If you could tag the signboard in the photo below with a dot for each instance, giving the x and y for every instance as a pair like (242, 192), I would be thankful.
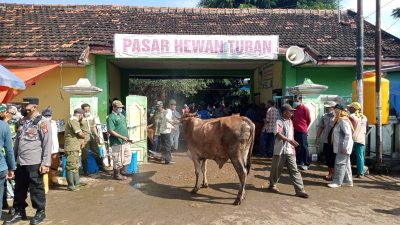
(196, 46)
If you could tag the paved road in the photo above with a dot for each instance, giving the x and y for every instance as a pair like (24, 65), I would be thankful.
(160, 194)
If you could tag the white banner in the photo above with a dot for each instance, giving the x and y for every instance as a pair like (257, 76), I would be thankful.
(196, 46)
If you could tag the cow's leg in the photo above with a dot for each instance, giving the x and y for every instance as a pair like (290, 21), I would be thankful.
(238, 164)
(204, 171)
(197, 171)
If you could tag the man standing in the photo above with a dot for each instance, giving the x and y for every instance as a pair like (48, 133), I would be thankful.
(267, 138)
(167, 125)
(156, 125)
(7, 163)
(88, 127)
(360, 131)
(301, 121)
(119, 141)
(74, 140)
(175, 132)
(284, 154)
(324, 133)
(32, 150)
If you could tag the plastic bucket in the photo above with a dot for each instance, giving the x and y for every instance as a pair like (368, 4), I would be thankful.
(64, 165)
(133, 167)
(92, 166)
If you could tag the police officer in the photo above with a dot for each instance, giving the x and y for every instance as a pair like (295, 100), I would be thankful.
(88, 126)
(33, 153)
(74, 139)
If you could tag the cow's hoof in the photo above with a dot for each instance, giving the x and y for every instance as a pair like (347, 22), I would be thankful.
(204, 186)
(195, 190)
(237, 202)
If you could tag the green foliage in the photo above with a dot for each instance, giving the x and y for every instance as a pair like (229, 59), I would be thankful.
(396, 13)
(165, 89)
(265, 4)
(205, 91)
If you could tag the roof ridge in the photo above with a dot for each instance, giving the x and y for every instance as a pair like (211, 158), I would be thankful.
(164, 9)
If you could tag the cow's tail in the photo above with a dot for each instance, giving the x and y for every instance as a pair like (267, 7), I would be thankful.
(251, 139)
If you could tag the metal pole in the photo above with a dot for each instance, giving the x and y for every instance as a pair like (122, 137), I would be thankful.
(378, 84)
(360, 52)
(338, 10)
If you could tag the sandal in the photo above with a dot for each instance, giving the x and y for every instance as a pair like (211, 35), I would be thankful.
(328, 178)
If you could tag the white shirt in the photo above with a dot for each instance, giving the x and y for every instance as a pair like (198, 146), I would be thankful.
(342, 137)
(166, 123)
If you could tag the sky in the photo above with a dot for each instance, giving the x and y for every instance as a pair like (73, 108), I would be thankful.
(388, 23)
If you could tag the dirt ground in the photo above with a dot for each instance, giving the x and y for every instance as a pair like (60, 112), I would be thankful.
(160, 194)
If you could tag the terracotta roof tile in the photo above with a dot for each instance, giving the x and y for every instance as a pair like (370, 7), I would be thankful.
(65, 31)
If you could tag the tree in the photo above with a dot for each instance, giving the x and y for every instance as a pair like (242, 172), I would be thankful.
(165, 89)
(396, 13)
(266, 4)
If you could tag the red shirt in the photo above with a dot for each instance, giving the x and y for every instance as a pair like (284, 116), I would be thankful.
(301, 119)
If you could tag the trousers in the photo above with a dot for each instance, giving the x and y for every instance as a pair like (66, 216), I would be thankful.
(29, 177)
(166, 147)
(342, 169)
(302, 149)
(278, 161)
(359, 152)
(72, 161)
(122, 155)
(3, 176)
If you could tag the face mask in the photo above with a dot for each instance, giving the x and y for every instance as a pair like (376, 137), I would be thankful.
(87, 114)
(24, 112)
(296, 104)
(119, 110)
(48, 117)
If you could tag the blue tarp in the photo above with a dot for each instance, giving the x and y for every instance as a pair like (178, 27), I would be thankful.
(394, 96)
(8, 79)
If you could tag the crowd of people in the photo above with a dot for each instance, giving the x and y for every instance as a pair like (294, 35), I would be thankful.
(342, 131)
(31, 149)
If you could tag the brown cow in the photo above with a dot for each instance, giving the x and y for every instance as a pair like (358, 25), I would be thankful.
(220, 139)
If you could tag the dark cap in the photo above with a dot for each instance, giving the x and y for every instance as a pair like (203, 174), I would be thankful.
(47, 112)
(79, 111)
(31, 100)
(339, 106)
(287, 107)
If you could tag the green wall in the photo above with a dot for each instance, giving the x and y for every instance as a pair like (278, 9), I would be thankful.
(338, 79)
(102, 82)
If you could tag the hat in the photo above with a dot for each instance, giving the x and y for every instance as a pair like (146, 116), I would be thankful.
(172, 102)
(159, 103)
(3, 108)
(339, 106)
(117, 103)
(79, 111)
(287, 107)
(329, 104)
(47, 112)
(31, 100)
(355, 105)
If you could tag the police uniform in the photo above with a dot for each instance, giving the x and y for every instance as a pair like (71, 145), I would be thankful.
(32, 150)
(87, 126)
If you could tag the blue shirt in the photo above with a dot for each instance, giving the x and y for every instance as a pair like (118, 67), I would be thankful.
(7, 161)
(204, 114)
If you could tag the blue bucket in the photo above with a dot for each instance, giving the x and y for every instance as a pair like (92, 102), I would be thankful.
(92, 166)
(133, 167)
(64, 165)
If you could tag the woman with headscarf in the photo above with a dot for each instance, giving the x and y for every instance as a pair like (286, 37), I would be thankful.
(360, 130)
(342, 146)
